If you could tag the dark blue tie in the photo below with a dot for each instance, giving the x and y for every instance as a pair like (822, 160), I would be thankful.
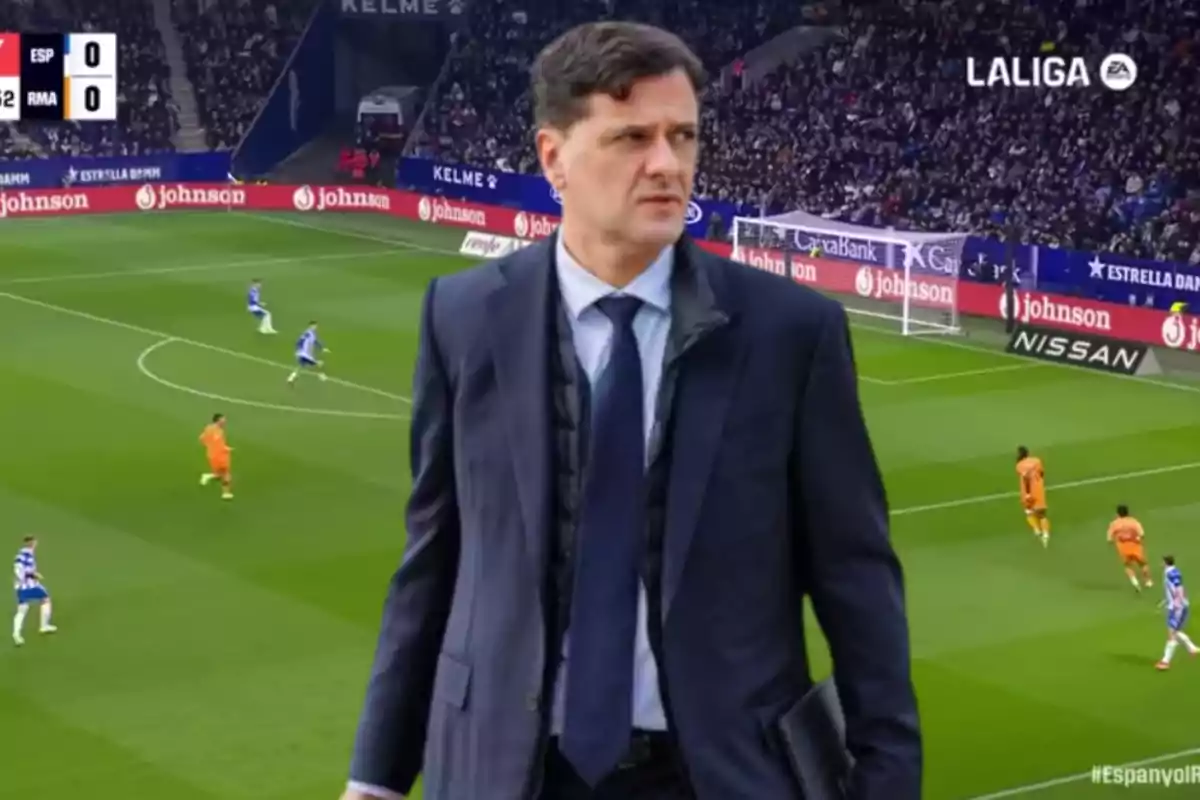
(598, 713)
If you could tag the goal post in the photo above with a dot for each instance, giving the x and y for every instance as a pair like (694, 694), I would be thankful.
(906, 278)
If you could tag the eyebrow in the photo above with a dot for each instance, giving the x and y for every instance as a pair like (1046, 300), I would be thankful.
(679, 127)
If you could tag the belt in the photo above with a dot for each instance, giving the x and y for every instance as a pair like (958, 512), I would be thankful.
(645, 747)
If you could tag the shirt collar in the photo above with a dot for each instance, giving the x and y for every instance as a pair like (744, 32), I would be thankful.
(581, 289)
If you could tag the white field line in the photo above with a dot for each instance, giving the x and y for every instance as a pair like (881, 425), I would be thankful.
(1080, 777)
(161, 381)
(350, 234)
(1057, 487)
(209, 267)
(202, 345)
(946, 376)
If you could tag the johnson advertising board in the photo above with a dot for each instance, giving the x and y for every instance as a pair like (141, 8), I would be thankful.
(1042, 309)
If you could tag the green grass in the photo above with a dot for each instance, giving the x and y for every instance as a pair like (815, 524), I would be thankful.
(218, 651)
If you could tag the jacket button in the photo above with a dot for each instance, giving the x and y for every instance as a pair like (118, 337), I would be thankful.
(532, 701)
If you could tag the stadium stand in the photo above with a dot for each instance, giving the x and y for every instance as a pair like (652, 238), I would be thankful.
(485, 87)
(880, 127)
(235, 51)
(148, 118)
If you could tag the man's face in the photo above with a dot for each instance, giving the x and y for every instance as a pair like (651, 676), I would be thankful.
(625, 171)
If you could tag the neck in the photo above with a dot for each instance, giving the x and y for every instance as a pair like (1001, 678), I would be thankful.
(615, 263)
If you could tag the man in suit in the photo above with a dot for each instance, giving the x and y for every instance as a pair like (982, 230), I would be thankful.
(631, 461)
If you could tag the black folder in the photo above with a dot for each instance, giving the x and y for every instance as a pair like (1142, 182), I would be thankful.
(814, 736)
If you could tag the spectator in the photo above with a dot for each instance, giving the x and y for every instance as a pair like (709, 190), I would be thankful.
(235, 51)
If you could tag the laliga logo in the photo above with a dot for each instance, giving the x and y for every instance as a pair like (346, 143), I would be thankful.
(694, 213)
(303, 198)
(145, 198)
(864, 281)
(425, 209)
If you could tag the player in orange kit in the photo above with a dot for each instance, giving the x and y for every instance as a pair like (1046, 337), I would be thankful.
(1127, 534)
(1033, 493)
(213, 439)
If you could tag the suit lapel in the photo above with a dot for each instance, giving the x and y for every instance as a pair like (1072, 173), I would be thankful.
(520, 341)
(704, 362)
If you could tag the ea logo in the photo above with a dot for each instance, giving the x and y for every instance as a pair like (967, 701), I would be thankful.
(425, 209)
(302, 198)
(1174, 331)
(521, 225)
(145, 197)
(1118, 71)
(694, 213)
(864, 282)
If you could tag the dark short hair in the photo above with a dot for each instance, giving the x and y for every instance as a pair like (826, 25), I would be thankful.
(604, 58)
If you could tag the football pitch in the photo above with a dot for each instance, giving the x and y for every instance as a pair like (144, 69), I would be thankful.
(213, 650)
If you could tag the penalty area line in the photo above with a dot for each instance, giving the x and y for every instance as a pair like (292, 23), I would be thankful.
(144, 356)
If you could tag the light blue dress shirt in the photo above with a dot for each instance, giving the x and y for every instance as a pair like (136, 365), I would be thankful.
(592, 335)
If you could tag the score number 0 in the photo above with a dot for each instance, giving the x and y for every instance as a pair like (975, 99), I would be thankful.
(93, 72)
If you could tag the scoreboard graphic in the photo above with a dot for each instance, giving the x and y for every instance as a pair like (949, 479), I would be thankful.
(50, 77)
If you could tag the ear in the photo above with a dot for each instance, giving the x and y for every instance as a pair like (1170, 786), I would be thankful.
(549, 144)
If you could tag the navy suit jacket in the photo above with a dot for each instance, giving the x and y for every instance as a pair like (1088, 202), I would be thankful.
(773, 494)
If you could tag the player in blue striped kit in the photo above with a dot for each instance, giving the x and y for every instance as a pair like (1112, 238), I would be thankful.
(1178, 610)
(29, 590)
(259, 311)
(308, 348)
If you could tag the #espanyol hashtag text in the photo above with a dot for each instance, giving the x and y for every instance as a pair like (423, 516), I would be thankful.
(1129, 776)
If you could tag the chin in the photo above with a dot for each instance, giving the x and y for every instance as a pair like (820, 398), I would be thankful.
(658, 233)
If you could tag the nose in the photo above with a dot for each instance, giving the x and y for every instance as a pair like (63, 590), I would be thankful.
(661, 158)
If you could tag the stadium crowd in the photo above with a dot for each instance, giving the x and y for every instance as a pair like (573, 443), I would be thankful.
(880, 127)
(235, 51)
(876, 126)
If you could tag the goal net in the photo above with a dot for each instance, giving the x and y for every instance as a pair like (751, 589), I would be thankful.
(902, 278)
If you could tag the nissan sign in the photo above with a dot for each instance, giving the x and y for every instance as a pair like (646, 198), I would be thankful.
(1083, 350)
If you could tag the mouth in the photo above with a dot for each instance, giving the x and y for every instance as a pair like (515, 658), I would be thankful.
(662, 201)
